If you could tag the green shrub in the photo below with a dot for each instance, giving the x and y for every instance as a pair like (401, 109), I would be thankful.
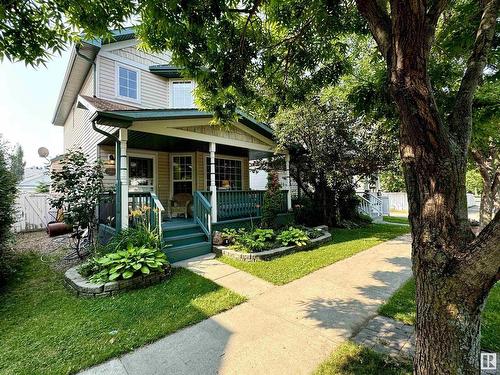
(136, 237)
(7, 196)
(255, 241)
(271, 205)
(293, 236)
(125, 264)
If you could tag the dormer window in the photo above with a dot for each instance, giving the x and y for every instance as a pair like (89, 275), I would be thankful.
(127, 83)
(182, 94)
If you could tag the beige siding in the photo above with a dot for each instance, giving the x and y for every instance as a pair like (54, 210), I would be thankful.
(245, 170)
(234, 133)
(142, 57)
(161, 169)
(78, 132)
(163, 179)
(154, 90)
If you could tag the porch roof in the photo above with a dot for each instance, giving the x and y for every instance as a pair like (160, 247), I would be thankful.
(125, 118)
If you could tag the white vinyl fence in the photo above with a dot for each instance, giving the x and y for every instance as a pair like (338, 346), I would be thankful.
(32, 212)
(399, 201)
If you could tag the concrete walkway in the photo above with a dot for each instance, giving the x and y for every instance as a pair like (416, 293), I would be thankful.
(287, 329)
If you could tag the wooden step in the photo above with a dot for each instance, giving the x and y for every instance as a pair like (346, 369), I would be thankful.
(178, 253)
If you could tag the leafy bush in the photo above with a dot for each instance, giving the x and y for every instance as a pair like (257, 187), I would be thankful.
(271, 205)
(125, 264)
(135, 236)
(293, 236)
(7, 196)
(255, 241)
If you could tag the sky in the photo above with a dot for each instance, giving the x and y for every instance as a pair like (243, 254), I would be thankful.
(27, 102)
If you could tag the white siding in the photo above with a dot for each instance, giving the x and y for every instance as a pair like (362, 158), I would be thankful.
(154, 89)
(78, 132)
(141, 57)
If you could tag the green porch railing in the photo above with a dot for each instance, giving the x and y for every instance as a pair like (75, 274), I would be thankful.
(149, 204)
(235, 204)
(202, 212)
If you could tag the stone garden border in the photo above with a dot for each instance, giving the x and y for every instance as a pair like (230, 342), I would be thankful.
(272, 253)
(82, 287)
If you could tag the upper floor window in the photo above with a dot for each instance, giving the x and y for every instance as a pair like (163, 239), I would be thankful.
(182, 94)
(127, 83)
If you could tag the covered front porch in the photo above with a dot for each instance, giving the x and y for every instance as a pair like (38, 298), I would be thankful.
(194, 176)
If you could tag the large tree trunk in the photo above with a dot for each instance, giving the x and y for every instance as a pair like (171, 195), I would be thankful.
(453, 270)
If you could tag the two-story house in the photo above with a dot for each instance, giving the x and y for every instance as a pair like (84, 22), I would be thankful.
(135, 111)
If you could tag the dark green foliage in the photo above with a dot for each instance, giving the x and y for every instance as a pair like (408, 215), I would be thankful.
(7, 197)
(329, 146)
(125, 264)
(31, 31)
(78, 187)
(271, 206)
(17, 163)
(392, 181)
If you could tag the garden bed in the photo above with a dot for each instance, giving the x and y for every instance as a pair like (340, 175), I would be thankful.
(276, 252)
(82, 287)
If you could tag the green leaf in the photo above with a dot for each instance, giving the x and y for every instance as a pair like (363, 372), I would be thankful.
(127, 274)
(145, 270)
(137, 266)
(114, 276)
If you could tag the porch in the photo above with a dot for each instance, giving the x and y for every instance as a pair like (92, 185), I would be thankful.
(181, 167)
(190, 236)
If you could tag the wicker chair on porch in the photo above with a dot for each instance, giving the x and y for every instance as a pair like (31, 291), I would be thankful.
(179, 204)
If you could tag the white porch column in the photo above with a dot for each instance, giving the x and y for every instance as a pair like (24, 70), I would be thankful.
(288, 184)
(123, 136)
(213, 187)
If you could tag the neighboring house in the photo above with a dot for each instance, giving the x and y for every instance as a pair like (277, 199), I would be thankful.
(134, 111)
(33, 177)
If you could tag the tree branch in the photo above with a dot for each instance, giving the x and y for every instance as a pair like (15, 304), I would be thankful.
(481, 265)
(379, 23)
(462, 111)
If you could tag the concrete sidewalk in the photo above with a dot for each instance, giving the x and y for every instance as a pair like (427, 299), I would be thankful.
(287, 329)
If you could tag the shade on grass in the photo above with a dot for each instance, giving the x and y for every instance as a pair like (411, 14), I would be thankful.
(401, 306)
(396, 219)
(46, 330)
(352, 359)
(345, 243)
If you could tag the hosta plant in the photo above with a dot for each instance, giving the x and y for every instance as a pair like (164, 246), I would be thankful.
(125, 264)
(293, 236)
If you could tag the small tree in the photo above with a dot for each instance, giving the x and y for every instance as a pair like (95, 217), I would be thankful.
(17, 163)
(7, 197)
(77, 187)
(272, 201)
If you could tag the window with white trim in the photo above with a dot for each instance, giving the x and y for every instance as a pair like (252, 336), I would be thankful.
(141, 175)
(127, 83)
(228, 174)
(182, 94)
(182, 174)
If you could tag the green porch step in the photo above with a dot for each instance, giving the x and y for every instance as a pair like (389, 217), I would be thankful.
(186, 239)
(178, 253)
(180, 230)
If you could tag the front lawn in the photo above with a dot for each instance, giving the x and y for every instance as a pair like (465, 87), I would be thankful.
(396, 219)
(345, 243)
(353, 359)
(401, 306)
(46, 330)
